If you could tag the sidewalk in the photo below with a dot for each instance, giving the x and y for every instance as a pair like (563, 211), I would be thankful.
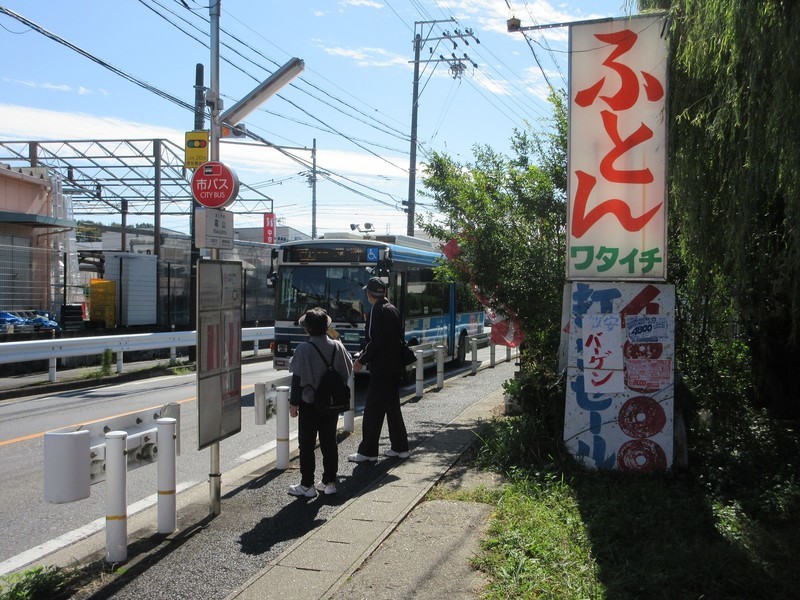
(322, 561)
(374, 539)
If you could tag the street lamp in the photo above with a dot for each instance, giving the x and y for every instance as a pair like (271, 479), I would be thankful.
(263, 92)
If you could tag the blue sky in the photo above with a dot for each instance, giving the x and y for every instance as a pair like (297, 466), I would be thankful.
(353, 98)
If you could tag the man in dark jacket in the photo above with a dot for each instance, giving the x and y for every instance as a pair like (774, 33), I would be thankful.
(382, 353)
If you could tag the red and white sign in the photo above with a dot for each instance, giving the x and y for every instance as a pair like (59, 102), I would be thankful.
(269, 228)
(214, 185)
(617, 151)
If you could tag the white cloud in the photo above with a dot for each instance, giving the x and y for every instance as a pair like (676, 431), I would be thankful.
(58, 87)
(369, 57)
(367, 3)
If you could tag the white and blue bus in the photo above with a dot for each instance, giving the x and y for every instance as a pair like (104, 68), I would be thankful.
(331, 272)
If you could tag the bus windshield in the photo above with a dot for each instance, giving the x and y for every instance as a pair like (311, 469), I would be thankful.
(336, 289)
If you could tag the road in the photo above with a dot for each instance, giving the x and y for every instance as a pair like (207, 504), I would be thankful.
(30, 527)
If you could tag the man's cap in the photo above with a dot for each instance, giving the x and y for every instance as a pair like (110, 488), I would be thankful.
(316, 321)
(376, 286)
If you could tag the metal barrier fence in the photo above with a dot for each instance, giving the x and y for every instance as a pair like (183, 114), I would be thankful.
(51, 350)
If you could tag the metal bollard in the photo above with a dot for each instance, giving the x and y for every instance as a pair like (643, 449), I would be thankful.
(508, 353)
(491, 354)
(420, 372)
(116, 497)
(473, 342)
(282, 425)
(167, 477)
(439, 367)
(260, 403)
(350, 415)
(255, 344)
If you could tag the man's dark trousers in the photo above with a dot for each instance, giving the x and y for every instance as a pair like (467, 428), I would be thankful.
(383, 398)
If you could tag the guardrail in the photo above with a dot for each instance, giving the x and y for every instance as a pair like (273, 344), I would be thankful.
(51, 350)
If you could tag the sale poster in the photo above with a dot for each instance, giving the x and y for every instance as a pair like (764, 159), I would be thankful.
(620, 374)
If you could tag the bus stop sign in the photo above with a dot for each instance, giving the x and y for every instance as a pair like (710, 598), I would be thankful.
(214, 185)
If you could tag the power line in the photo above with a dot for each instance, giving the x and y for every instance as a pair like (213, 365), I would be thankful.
(141, 83)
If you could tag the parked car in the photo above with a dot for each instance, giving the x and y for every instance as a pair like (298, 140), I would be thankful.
(26, 321)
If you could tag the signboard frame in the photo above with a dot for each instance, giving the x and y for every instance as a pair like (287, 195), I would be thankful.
(219, 355)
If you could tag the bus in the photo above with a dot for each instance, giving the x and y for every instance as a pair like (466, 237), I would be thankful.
(330, 273)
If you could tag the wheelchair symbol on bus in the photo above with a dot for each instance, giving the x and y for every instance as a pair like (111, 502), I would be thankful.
(373, 254)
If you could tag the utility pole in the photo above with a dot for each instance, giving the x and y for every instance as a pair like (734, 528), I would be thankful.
(312, 181)
(457, 69)
(199, 125)
(412, 166)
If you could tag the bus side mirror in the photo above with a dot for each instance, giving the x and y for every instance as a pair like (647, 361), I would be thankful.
(272, 277)
(383, 267)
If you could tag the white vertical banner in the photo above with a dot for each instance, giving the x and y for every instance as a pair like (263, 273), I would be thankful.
(617, 211)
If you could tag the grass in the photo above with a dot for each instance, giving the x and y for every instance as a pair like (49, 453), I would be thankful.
(38, 583)
(721, 530)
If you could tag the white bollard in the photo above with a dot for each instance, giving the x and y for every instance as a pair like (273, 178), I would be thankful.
(167, 477)
(260, 402)
(420, 372)
(282, 425)
(67, 472)
(350, 415)
(474, 345)
(119, 362)
(116, 497)
(51, 373)
(439, 367)
(491, 355)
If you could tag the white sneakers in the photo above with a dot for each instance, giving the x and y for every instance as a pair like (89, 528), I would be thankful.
(330, 488)
(301, 490)
(311, 491)
(359, 458)
(392, 453)
(326, 488)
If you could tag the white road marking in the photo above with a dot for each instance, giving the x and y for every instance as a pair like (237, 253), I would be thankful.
(38, 552)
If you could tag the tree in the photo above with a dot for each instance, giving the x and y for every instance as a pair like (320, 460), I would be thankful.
(508, 216)
(735, 193)
(88, 231)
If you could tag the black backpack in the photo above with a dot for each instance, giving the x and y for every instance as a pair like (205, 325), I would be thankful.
(332, 394)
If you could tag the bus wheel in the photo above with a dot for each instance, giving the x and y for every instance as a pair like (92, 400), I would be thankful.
(461, 356)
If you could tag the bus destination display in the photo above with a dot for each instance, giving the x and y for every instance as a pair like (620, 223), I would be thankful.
(331, 254)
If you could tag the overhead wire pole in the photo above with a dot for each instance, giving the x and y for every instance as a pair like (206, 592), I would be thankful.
(313, 182)
(457, 68)
(412, 166)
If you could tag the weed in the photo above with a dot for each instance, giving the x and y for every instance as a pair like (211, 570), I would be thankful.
(38, 583)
